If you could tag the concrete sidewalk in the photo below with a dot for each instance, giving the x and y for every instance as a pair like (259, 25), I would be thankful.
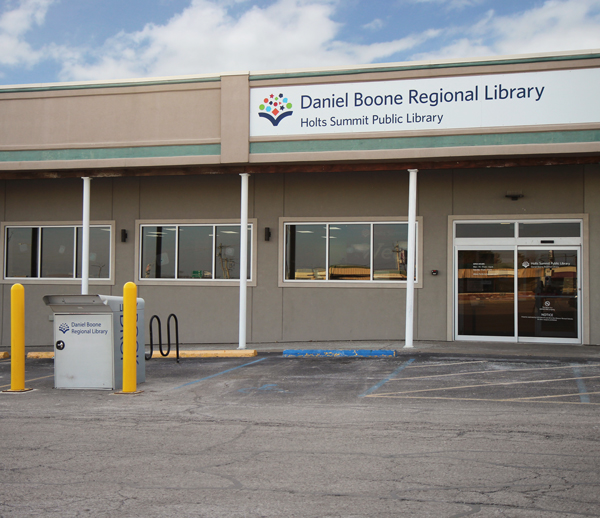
(429, 348)
(432, 348)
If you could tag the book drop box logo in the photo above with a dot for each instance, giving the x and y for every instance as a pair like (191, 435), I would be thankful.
(275, 108)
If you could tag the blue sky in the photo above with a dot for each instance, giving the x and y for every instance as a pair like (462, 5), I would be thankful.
(44, 41)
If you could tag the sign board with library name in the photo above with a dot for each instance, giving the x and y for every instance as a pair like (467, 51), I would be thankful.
(442, 103)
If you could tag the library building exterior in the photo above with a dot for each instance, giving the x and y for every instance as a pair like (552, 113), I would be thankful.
(505, 154)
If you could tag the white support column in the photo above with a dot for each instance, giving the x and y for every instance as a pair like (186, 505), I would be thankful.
(243, 261)
(85, 237)
(410, 266)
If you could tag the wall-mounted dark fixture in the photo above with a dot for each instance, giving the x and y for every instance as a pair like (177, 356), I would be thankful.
(267, 234)
(123, 235)
(513, 195)
(434, 272)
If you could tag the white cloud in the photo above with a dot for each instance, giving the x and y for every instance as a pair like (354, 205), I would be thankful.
(205, 37)
(556, 25)
(452, 4)
(15, 21)
(375, 25)
(212, 36)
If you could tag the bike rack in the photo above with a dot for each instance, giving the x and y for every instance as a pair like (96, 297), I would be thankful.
(160, 343)
(154, 317)
(172, 315)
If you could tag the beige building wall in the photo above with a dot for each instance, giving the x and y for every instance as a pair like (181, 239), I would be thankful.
(172, 150)
(591, 197)
(208, 314)
(111, 117)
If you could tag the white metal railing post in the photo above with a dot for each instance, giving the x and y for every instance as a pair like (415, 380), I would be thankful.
(410, 267)
(85, 237)
(243, 261)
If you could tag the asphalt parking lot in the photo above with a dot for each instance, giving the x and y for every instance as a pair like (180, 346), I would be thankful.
(274, 436)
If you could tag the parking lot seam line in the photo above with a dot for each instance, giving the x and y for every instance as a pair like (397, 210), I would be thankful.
(28, 381)
(384, 381)
(217, 353)
(218, 374)
(491, 371)
(439, 364)
(486, 385)
(554, 395)
(583, 393)
(336, 353)
(482, 399)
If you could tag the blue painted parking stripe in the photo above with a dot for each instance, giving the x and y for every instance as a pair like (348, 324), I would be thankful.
(583, 393)
(218, 374)
(383, 382)
(335, 353)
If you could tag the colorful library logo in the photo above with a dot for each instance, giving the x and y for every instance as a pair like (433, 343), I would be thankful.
(275, 108)
(63, 328)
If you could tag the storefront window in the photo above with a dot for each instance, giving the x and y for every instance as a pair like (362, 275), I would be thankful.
(57, 252)
(550, 229)
(306, 252)
(21, 252)
(357, 251)
(389, 252)
(54, 252)
(485, 229)
(99, 252)
(158, 252)
(350, 252)
(203, 252)
(195, 252)
(227, 256)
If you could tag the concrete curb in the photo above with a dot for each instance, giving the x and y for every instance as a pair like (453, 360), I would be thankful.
(335, 353)
(244, 353)
(40, 356)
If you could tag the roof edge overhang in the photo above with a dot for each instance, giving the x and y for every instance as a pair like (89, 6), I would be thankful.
(370, 166)
(313, 72)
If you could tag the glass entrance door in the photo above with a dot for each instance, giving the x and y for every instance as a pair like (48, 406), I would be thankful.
(485, 293)
(517, 293)
(548, 302)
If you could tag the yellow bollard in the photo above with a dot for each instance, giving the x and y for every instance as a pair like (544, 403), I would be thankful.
(129, 338)
(17, 339)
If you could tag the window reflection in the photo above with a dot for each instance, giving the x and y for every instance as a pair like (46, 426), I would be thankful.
(488, 229)
(57, 252)
(205, 251)
(346, 251)
(195, 252)
(21, 252)
(227, 253)
(548, 293)
(99, 267)
(486, 292)
(350, 252)
(549, 229)
(158, 252)
(306, 252)
(389, 252)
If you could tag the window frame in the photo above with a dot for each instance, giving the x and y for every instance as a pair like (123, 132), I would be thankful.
(139, 224)
(584, 241)
(40, 225)
(392, 284)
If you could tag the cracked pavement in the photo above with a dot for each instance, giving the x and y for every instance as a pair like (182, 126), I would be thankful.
(292, 437)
